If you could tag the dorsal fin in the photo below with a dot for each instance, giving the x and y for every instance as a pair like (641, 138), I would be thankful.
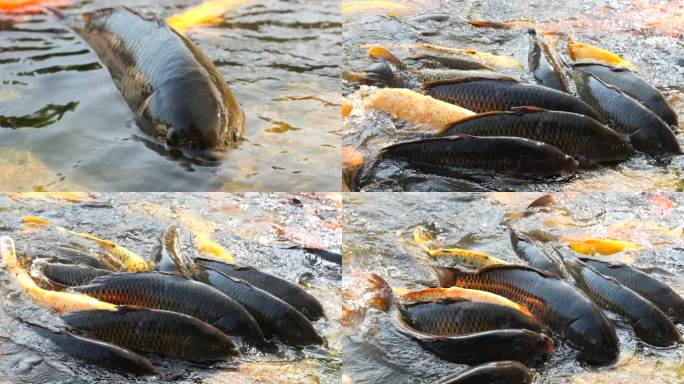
(431, 84)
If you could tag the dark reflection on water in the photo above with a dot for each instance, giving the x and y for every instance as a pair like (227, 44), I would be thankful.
(627, 27)
(258, 230)
(40, 118)
(277, 56)
(377, 230)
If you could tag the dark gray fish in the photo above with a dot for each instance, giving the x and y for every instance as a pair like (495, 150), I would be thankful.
(512, 156)
(176, 93)
(275, 317)
(436, 61)
(98, 352)
(534, 256)
(647, 132)
(544, 65)
(71, 275)
(165, 333)
(175, 293)
(525, 346)
(290, 293)
(553, 302)
(653, 290)
(460, 317)
(633, 85)
(650, 323)
(171, 257)
(498, 372)
(486, 95)
(581, 137)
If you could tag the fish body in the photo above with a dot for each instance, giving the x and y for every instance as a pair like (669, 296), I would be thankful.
(581, 137)
(650, 324)
(544, 65)
(286, 291)
(485, 95)
(415, 107)
(58, 301)
(635, 86)
(165, 333)
(437, 294)
(98, 352)
(601, 246)
(276, 317)
(653, 290)
(585, 53)
(647, 132)
(171, 258)
(177, 95)
(505, 155)
(450, 62)
(498, 372)
(534, 256)
(459, 317)
(70, 275)
(525, 346)
(552, 301)
(465, 257)
(174, 293)
(433, 75)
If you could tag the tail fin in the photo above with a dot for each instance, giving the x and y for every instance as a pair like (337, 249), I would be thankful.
(383, 298)
(447, 276)
(380, 54)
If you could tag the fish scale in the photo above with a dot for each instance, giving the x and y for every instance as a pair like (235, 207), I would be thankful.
(650, 323)
(174, 293)
(555, 303)
(275, 316)
(453, 318)
(655, 291)
(647, 132)
(582, 137)
(484, 95)
(508, 155)
(162, 332)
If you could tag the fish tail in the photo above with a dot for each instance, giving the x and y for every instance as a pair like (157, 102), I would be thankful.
(380, 54)
(383, 297)
(382, 74)
(447, 276)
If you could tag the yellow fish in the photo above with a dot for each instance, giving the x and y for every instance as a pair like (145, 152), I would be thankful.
(416, 108)
(580, 52)
(468, 258)
(375, 6)
(486, 58)
(58, 301)
(436, 294)
(601, 246)
(206, 13)
(128, 258)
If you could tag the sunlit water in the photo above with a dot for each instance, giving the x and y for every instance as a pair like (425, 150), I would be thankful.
(377, 229)
(65, 124)
(257, 229)
(647, 32)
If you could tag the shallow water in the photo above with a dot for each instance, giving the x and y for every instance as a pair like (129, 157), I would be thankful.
(59, 107)
(256, 229)
(646, 32)
(377, 230)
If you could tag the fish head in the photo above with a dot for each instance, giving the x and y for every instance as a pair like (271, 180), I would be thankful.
(595, 339)
(658, 330)
(298, 331)
(657, 140)
(612, 147)
(209, 344)
(195, 118)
